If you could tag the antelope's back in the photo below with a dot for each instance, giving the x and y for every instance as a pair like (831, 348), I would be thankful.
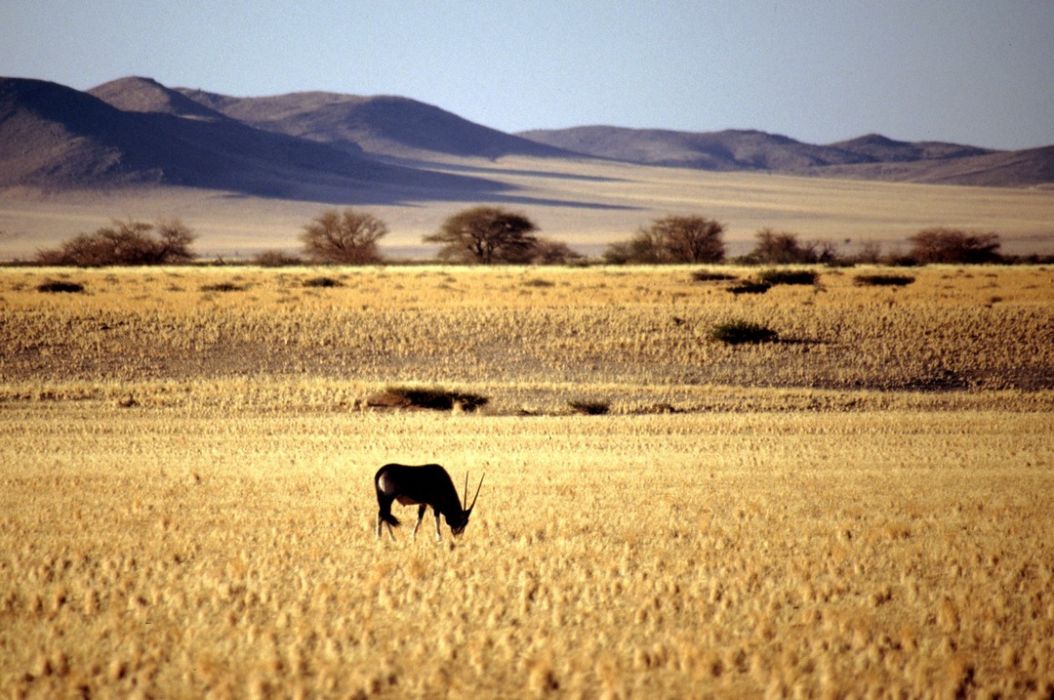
(422, 483)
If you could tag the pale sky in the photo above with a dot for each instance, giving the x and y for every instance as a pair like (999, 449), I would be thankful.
(968, 71)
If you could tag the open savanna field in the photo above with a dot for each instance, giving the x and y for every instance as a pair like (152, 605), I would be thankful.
(859, 506)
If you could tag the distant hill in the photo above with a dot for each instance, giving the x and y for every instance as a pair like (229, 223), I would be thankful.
(136, 94)
(381, 125)
(55, 137)
(718, 150)
(1026, 168)
(870, 157)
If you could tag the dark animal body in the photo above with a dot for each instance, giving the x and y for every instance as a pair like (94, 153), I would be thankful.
(425, 486)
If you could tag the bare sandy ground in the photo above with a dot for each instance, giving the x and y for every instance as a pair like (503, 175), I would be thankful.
(585, 203)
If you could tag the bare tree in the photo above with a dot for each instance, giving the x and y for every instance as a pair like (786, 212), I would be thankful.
(672, 239)
(348, 237)
(486, 235)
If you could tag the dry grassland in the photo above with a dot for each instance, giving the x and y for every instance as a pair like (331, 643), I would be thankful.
(186, 505)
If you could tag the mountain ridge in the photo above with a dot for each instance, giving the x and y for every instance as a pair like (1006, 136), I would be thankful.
(341, 147)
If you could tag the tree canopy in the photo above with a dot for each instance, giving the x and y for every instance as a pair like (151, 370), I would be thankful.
(348, 237)
(486, 235)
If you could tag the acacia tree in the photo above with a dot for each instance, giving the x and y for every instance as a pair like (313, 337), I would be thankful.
(942, 245)
(672, 239)
(486, 235)
(125, 243)
(348, 237)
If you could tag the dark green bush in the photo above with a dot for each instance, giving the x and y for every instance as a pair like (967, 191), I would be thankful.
(222, 287)
(749, 287)
(777, 276)
(882, 280)
(708, 276)
(53, 286)
(323, 282)
(589, 408)
(742, 332)
(433, 398)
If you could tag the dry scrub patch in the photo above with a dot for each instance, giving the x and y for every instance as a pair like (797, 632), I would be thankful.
(954, 328)
(172, 553)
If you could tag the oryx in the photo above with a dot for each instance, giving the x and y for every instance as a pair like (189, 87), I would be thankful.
(423, 486)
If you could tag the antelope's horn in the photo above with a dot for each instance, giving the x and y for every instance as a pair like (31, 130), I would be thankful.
(477, 492)
(464, 499)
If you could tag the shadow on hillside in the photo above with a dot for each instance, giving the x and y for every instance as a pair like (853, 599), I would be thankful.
(439, 166)
(411, 188)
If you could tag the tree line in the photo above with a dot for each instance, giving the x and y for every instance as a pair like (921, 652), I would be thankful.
(493, 235)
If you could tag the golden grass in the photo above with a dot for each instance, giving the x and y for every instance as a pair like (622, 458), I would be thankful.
(187, 509)
(174, 552)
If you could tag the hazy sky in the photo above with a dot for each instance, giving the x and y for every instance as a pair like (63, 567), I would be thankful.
(970, 71)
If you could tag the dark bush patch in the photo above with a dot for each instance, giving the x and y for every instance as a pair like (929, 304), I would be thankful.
(538, 283)
(590, 408)
(276, 258)
(222, 287)
(741, 332)
(775, 276)
(435, 398)
(322, 282)
(708, 276)
(882, 280)
(749, 287)
(53, 286)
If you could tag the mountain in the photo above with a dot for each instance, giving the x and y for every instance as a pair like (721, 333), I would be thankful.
(720, 150)
(136, 94)
(1025, 168)
(56, 137)
(872, 156)
(881, 149)
(381, 125)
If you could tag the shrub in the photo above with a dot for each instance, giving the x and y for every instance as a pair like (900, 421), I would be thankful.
(323, 282)
(943, 245)
(53, 286)
(549, 252)
(772, 277)
(882, 280)
(749, 287)
(349, 237)
(434, 398)
(781, 247)
(276, 258)
(708, 276)
(741, 332)
(589, 408)
(222, 287)
(125, 243)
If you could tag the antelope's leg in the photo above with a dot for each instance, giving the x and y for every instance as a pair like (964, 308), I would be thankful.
(439, 536)
(391, 531)
(420, 516)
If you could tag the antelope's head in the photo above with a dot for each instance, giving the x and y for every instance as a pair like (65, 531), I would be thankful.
(457, 524)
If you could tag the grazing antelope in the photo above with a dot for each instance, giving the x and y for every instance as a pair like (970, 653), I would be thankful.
(423, 486)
